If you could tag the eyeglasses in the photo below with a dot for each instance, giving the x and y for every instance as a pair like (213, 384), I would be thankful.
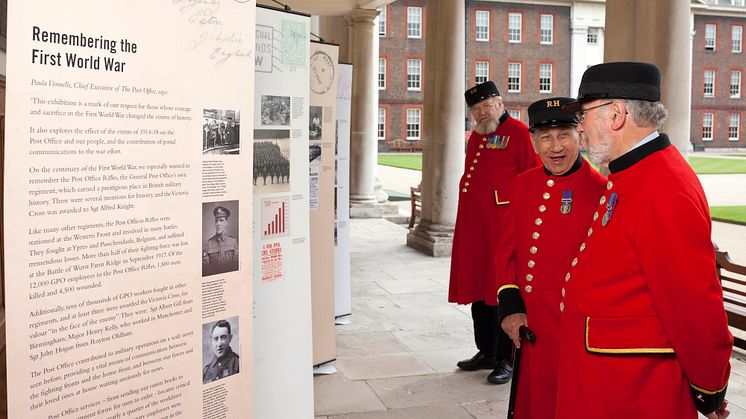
(581, 113)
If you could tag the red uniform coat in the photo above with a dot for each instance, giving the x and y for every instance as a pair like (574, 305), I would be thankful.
(539, 247)
(643, 327)
(488, 178)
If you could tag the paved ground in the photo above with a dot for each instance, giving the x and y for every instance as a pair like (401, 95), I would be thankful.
(396, 360)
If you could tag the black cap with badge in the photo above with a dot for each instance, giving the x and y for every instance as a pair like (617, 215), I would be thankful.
(480, 92)
(548, 113)
(618, 80)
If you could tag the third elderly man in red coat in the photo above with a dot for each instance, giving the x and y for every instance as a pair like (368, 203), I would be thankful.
(548, 217)
(643, 331)
(498, 149)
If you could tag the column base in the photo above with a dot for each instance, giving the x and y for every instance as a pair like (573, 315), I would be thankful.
(372, 210)
(436, 242)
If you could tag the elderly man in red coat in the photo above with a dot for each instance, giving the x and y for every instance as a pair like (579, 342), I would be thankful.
(498, 149)
(643, 331)
(548, 217)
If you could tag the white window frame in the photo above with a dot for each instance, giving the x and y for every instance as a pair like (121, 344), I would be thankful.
(708, 120)
(734, 129)
(736, 39)
(546, 31)
(481, 71)
(514, 113)
(382, 22)
(381, 73)
(414, 22)
(737, 2)
(592, 36)
(381, 124)
(735, 84)
(414, 124)
(515, 27)
(414, 74)
(711, 32)
(514, 79)
(544, 79)
(708, 88)
(482, 25)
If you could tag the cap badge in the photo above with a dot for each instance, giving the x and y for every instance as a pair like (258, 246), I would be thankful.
(553, 103)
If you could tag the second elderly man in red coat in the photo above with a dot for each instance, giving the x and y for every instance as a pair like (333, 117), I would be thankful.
(498, 149)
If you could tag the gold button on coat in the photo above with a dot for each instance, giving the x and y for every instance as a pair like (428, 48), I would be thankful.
(531, 263)
(567, 277)
(550, 183)
(546, 195)
(464, 190)
(574, 261)
(603, 200)
(529, 277)
(562, 306)
(535, 235)
(528, 288)
(538, 221)
(533, 250)
(542, 208)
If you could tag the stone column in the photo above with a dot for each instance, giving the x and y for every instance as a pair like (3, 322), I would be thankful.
(443, 150)
(363, 142)
(578, 40)
(658, 32)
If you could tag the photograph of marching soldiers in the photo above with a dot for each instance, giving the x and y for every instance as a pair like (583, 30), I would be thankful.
(314, 153)
(314, 123)
(220, 129)
(271, 161)
(275, 110)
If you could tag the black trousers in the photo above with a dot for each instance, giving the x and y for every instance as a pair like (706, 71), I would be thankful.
(488, 335)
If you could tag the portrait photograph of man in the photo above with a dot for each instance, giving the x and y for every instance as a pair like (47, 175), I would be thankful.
(220, 349)
(219, 237)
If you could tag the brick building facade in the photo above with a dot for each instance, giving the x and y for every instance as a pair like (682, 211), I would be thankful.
(526, 50)
(718, 116)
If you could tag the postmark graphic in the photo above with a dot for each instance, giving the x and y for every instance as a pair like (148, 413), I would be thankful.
(322, 72)
(294, 43)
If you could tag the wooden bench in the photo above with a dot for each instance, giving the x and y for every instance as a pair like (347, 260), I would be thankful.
(733, 280)
(415, 198)
(404, 145)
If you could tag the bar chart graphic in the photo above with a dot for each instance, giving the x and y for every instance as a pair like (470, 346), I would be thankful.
(275, 217)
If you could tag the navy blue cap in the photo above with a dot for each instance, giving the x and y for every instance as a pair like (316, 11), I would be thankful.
(547, 113)
(480, 92)
(618, 80)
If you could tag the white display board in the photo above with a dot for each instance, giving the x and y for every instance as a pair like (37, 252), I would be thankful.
(126, 233)
(282, 280)
(342, 284)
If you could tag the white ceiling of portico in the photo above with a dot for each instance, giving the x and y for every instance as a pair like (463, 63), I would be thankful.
(327, 7)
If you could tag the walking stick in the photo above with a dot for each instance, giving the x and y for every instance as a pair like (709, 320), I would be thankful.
(525, 333)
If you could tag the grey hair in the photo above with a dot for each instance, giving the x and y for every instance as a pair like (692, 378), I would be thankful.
(646, 113)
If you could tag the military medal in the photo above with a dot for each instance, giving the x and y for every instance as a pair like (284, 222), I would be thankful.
(566, 201)
(497, 141)
(609, 209)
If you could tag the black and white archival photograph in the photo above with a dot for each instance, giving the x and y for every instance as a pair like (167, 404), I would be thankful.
(220, 131)
(219, 237)
(220, 349)
(275, 110)
(314, 153)
(315, 115)
(271, 161)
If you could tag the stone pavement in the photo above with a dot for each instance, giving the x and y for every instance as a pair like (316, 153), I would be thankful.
(397, 359)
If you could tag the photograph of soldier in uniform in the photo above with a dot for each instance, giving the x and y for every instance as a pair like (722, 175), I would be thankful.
(219, 237)
(314, 122)
(220, 347)
(314, 153)
(220, 131)
(275, 110)
(271, 161)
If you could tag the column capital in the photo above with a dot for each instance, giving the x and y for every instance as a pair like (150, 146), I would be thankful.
(578, 29)
(362, 16)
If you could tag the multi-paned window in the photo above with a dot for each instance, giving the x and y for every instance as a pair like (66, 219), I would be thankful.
(414, 74)
(481, 71)
(381, 123)
(592, 37)
(413, 124)
(545, 78)
(736, 39)
(514, 77)
(382, 21)
(707, 119)
(737, 2)
(710, 35)
(734, 123)
(515, 113)
(482, 25)
(709, 83)
(414, 22)
(547, 29)
(515, 24)
(735, 84)
(381, 74)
